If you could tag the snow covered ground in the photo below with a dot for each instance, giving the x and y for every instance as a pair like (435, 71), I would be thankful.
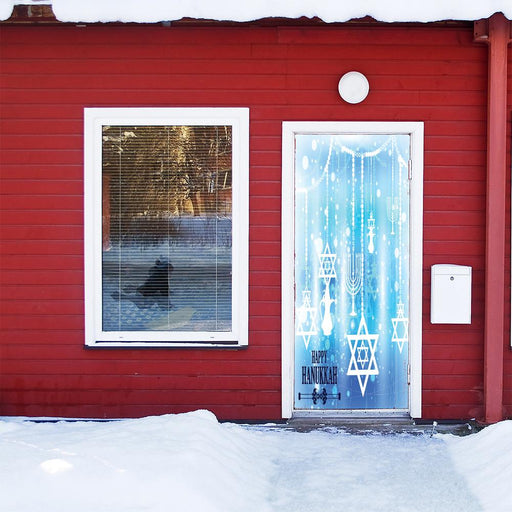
(190, 462)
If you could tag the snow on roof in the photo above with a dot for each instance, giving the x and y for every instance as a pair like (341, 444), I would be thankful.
(151, 11)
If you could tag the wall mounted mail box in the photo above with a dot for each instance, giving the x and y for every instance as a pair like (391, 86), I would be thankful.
(450, 299)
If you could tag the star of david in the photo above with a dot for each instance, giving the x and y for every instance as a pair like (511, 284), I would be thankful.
(306, 318)
(362, 342)
(400, 328)
(327, 262)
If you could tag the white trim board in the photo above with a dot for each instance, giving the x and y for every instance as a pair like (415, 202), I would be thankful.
(94, 120)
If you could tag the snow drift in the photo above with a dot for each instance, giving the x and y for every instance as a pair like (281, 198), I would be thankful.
(191, 462)
(182, 462)
(485, 459)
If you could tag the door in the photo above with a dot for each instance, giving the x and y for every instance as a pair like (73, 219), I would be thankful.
(351, 271)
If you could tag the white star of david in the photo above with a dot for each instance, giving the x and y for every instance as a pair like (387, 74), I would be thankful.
(306, 318)
(362, 342)
(327, 263)
(400, 328)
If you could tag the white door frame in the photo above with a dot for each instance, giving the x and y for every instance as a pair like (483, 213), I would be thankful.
(290, 129)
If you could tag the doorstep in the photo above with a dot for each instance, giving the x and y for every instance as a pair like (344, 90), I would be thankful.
(378, 425)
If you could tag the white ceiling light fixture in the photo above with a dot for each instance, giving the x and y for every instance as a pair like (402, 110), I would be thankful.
(353, 87)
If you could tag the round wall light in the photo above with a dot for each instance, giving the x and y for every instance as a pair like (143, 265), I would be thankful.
(353, 87)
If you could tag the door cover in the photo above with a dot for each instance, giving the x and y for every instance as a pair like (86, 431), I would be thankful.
(351, 271)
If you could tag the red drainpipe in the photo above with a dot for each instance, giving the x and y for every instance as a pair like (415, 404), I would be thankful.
(496, 32)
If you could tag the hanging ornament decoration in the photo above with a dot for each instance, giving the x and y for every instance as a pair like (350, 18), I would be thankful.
(371, 234)
(372, 280)
(306, 313)
(372, 275)
(327, 260)
(353, 263)
(371, 219)
(327, 264)
(306, 319)
(400, 328)
(400, 323)
(363, 362)
(392, 201)
(327, 272)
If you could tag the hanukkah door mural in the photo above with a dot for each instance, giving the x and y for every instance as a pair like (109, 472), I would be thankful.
(351, 271)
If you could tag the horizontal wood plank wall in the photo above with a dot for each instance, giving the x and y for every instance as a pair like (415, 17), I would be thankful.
(49, 74)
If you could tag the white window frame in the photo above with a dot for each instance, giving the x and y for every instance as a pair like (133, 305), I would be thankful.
(290, 129)
(94, 120)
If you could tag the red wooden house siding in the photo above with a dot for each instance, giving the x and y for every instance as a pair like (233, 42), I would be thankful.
(430, 73)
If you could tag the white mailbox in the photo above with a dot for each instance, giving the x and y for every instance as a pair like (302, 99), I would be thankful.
(450, 299)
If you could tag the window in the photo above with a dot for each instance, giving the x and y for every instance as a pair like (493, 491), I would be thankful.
(166, 226)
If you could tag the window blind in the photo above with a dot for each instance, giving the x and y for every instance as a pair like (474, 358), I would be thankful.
(167, 228)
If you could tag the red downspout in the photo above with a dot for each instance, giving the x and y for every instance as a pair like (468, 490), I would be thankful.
(496, 33)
